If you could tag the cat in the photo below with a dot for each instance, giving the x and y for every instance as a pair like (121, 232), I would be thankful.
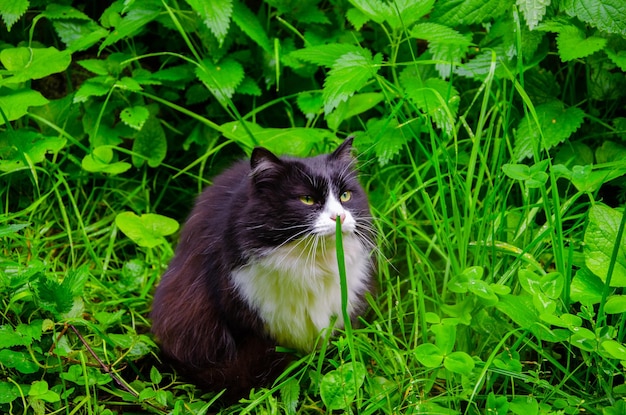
(256, 267)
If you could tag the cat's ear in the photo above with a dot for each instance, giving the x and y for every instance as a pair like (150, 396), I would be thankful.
(344, 151)
(265, 164)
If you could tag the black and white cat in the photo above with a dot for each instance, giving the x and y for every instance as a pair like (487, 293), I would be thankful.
(256, 267)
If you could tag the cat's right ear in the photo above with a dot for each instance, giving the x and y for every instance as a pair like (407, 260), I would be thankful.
(265, 165)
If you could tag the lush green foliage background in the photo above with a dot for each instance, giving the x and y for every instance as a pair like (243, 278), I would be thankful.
(491, 136)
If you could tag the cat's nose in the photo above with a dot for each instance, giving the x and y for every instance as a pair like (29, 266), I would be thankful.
(342, 217)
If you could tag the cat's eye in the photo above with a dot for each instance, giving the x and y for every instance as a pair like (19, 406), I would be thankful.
(307, 200)
(345, 196)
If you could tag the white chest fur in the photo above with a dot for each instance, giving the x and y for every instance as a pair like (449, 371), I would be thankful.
(296, 290)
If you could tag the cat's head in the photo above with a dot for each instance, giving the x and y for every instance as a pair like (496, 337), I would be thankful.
(302, 197)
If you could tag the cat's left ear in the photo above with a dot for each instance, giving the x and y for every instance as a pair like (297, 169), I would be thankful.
(265, 164)
(344, 151)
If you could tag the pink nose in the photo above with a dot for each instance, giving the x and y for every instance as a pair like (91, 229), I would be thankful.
(342, 217)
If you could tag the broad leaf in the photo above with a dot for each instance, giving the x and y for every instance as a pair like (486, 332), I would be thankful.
(600, 240)
(429, 355)
(445, 44)
(355, 105)
(56, 11)
(215, 14)
(140, 13)
(290, 395)
(615, 304)
(573, 44)
(22, 148)
(465, 12)
(12, 10)
(222, 78)
(586, 287)
(135, 117)
(250, 25)
(606, 15)
(79, 35)
(339, 387)
(376, 10)
(94, 87)
(33, 63)
(150, 144)
(459, 362)
(21, 361)
(15, 104)
(533, 11)
(348, 75)
(554, 124)
(325, 55)
(147, 230)
(101, 160)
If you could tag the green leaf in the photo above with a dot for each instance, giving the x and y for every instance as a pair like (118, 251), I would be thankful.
(21, 361)
(466, 12)
(606, 15)
(429, 355)
(58, 11)
(290, 395)
(445, 336)
(459, 362)
(533, 11)
(375, 10)
(615, 304)
(357, 18)
(150, 144)
(524, 405)
(618, 57)
(101, 160)
(12, 10)
(22, 148)
(445, 44)
(573, 44)
(339, 387)
(385, 136)
(586, 287)
(215, 14)
(33, 63)
(296, 141)
(135, 117)
(355, 105)
(435, 97)
(147, 230)
(94, 87)
(39, 390)
(53, 296)
(409, 12)
(250, 25)
(155, 376)
(600, 239)
(615, 349)
(9, 392)
(554, 124)
(221, 79)
(348, 75)
(15, 104)
(140, 13)
(310, 103)
(325, 55)
(79, 35)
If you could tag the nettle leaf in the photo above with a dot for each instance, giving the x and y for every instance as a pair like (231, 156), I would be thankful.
(250, 25)
(79, 35)
(339, 387)
(618, 57)
(606, 15)
(573, 44)
(12, 10)
(355, 105)
(324, 55)
(58, 11)
(297, 141)
(94, 87)
(215, 14)
(310, 103)
(221, 79)
(135, 117)
(445, 44)
(435, 97)
(533, 11)
(410, 12)
(357, 18)
(555, 124)
(290, 395)
(466, 12)
(54, 296)
(23, 148)
(33, 63)
(600, 240)
(375, 10)
(150, 144)
(139, 14)
(349, 74)
(147, 230)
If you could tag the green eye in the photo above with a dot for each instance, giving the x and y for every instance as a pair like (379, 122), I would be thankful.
(345, 196)
(307, 200)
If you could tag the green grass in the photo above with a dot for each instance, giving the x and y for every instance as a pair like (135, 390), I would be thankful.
(497, 192)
